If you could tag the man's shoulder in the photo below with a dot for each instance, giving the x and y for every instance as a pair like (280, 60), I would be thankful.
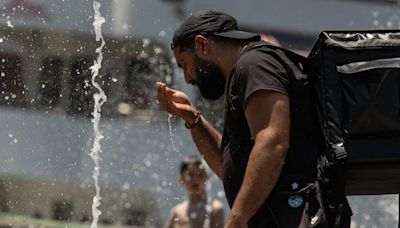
(257, 52)
(180, 208)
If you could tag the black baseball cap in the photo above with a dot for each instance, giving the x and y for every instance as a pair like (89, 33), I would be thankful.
(210, 23)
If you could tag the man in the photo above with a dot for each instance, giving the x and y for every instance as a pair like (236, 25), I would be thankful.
(197, 210)
(270, 143)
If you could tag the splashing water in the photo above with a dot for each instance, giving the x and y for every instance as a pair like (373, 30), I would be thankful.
(9, 24)
(99, 99)
(171, 133)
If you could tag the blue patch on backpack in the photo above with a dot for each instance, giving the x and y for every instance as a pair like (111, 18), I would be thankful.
(295, 201)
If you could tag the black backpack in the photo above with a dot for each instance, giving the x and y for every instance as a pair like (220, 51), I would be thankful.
(356, 76)
(356, 83)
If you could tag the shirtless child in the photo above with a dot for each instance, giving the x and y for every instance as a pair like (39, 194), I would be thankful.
(193, 213)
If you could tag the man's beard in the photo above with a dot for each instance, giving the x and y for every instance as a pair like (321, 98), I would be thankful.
(210, 79)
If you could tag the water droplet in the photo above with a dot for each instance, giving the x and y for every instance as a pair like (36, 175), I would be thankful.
(162, 33)
(9, 24)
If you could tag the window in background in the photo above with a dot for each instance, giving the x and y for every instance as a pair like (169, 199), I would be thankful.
(140, 84)
(12, 85)
(50, 82)
(81, 89)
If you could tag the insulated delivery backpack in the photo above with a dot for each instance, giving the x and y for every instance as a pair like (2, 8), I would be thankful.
(356, 76)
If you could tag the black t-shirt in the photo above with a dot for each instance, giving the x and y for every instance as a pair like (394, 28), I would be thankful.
(262, 68)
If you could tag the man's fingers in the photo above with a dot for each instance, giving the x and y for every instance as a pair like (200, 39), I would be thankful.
(164, 97)
(167, 97)
(170, 91)
(161, 95)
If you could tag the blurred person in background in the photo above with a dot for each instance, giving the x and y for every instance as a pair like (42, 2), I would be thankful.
(198, 210)
(270, 39)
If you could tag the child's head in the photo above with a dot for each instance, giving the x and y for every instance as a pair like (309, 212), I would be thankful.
(193, 175)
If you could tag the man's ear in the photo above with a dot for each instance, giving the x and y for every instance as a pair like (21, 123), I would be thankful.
(202, 44)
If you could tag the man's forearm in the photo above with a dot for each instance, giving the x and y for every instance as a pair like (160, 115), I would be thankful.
(262, 172)
(208, 142)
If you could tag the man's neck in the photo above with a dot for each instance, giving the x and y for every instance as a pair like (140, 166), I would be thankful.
(230, 56)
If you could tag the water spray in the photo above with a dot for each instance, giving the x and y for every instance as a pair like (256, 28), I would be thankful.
(99, 99)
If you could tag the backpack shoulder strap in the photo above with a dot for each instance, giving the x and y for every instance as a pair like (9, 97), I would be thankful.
(288, 57)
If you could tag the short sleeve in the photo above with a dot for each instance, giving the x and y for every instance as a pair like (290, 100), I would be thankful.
(260, 71)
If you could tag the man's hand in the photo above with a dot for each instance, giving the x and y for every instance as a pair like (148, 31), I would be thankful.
(175, 102)
(206, 138)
